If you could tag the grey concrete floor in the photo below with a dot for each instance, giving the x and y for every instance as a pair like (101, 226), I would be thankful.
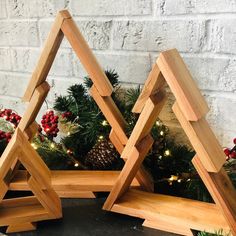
(85, 217)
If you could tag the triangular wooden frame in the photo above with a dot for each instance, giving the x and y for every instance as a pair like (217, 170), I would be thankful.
(35, 94)
(169, 213)
(20, 214)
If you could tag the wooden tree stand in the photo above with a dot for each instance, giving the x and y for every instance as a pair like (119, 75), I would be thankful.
(174, 214)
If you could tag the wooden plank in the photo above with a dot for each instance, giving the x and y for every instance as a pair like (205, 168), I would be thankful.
(47, 56)
(154, 82)
(9, 156)
(133, 163)
(183, 212)
(33, 163)
(146, 120)
(47, 198)
(221, 190)
(28, 226)
(73, 181)
(167, 226)
(75, 194)
(3, 189)
(112, 114)
(203, 141)
(21, 210)
(116, 141)
(86, 57)
(182, 85)
(34, 106)
(31, 131)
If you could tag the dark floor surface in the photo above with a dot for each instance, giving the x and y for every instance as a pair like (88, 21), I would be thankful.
(85, 217)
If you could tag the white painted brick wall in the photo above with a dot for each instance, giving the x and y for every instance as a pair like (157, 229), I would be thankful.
(127, 36)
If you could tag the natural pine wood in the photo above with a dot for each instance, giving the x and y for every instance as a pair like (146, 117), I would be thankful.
(182, 85)
(203, 140)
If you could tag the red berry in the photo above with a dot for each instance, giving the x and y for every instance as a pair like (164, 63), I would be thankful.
(226, 151)
(234, 140)
(233, 155)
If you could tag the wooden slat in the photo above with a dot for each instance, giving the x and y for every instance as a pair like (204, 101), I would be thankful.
(130, 169)
(34, 106)
(153, 84)
(116, 141)
(48, 54)
(31, 131)
(168, 226)
(3, 189)
(73, 181)
(146, 120)
(75, 194)
(221, 190)
(33, 163)
(86, 57)
(47, 198)
(112, 113)
(183, 212)
(21, 227)
(182, 85)
(21, 210)
(203, 141)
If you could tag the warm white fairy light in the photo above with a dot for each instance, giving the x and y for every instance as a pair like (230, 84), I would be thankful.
(101, 137)
(104, 123)
(52, 145)
(179, 180)
(158, 123)
(76, 164)
(34, 146)
(167, 152)
(162, 133)
(68, 133)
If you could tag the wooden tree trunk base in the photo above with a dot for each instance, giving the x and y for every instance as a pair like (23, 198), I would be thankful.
(21, 227)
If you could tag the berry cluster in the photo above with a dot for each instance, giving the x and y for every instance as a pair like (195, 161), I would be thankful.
(5, 135)
(231, 153)
(50, 124)
(10, 116)
(67, 114)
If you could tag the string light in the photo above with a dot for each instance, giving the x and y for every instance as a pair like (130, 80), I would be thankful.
(76, 164)
(158, 123)
(68, 133)
(101, 137)
(69, 151)
(104, 123)
(160, 157)
(52, 145)
(167, 152)
(162, 133)
(34, 146)
(179, 180)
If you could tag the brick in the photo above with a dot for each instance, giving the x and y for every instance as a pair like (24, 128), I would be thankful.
(13, 103)
(19, 33)
(5, 59)
(8, 85)
(97, 33)
(178, 7)
(35, 8)
(3, 10)
(131, 68)
(223, 36)
(111, 7)
(185, 35)
(25, 60)
(217, 74)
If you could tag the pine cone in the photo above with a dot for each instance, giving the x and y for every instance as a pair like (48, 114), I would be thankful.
(103, 156)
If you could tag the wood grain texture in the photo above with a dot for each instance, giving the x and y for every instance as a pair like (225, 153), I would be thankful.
(182, 85)
(179, 211)
(153, 84)
(73, 181)
(130, 169)
(21, 227)
(222, 191)
(47, 56)
(203, 140)
(112, 113)
(36, 101)
(86, 57)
